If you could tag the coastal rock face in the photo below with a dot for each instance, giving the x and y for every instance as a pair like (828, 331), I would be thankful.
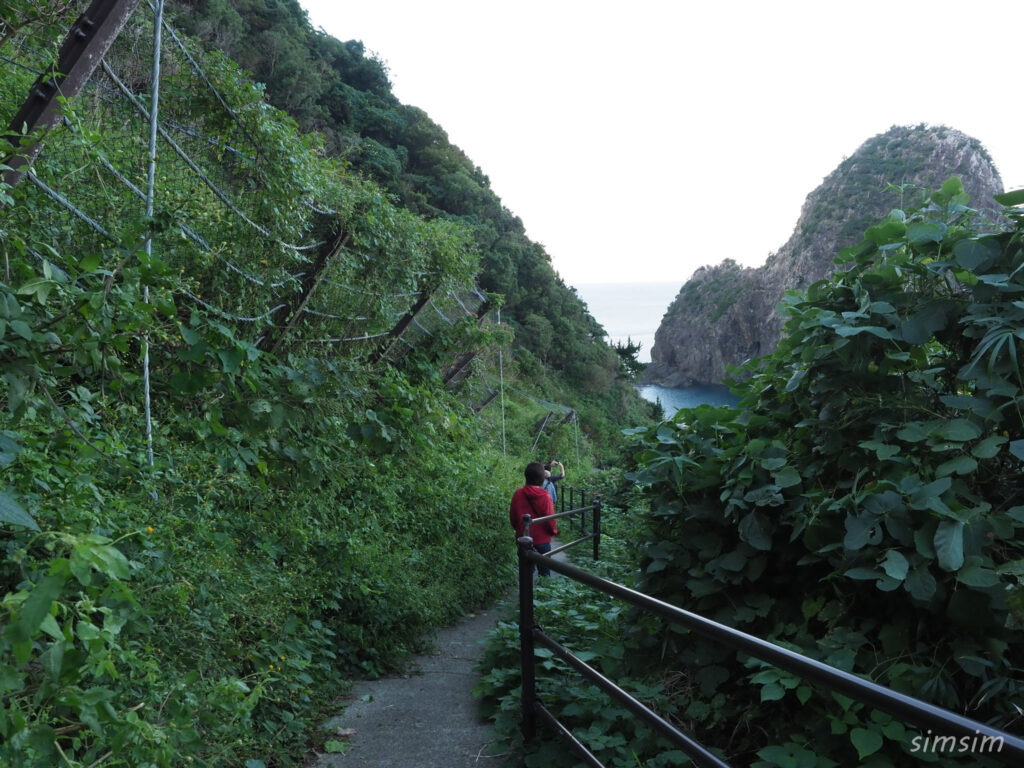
(726, 314)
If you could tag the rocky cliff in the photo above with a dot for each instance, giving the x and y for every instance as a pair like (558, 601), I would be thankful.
(726, 314)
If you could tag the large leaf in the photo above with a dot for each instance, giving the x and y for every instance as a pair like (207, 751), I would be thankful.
(921, 584)
(989, 447)
(858, 530)
(895, 565)
(12, 512)
(922, 232)
(949, 544)
(855, 330)
(977, 575)
(756, 531)
(976, 254)
(1015, 197)
(959, 430)
(8, 450)
(959, 465)
(867, 742)
(37, 604)
(787, 477)
(913, 432)
(924, 496)
(863, 573)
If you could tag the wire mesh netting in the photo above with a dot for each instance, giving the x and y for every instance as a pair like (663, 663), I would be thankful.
(244, 206)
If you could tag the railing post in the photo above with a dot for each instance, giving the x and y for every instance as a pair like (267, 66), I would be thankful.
(597, 528)
(526, 624)
(583, 514)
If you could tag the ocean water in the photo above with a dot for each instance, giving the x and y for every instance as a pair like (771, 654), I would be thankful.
(672, 399)
(634, 311)
(629, 310)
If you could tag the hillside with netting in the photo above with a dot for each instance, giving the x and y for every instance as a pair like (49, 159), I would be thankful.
(242, 218)
(239, 407)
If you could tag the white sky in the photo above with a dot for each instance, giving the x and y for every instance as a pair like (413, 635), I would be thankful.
(640, 140)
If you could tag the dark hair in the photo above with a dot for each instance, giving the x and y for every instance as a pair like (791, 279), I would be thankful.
(534, 473)
(547, 467)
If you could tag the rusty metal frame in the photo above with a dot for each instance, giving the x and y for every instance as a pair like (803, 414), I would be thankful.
(83, 48)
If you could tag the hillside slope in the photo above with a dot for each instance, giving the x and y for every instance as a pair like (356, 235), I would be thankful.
(342, 91)
(726, 314)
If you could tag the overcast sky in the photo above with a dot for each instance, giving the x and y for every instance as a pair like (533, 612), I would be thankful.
(638, 141)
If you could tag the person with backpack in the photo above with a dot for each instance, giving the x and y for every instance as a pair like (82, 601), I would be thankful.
(550, 480)
(531, 499)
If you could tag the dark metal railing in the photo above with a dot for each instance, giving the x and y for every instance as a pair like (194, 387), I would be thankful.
(595, 533)
(570, 494)
(919, 713)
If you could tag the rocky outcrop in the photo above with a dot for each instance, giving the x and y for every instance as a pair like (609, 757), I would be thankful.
(727, 314)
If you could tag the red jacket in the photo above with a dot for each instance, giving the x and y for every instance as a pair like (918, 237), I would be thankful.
(534, 501)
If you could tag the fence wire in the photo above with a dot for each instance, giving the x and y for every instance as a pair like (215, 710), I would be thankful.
(241, 255)
(229, 217)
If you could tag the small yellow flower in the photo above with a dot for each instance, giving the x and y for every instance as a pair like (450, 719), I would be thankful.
(149, 529)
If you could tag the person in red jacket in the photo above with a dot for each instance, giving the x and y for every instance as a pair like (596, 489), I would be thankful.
(534, 501)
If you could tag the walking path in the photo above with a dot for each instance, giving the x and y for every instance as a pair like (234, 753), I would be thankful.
(426, 719)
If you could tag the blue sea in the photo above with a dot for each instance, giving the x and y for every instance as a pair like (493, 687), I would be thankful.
(629, 310)
(672, 399)
(634, 311)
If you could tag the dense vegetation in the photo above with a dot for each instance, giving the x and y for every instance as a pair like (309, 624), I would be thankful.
(712, 291)
(862, 504)
(314, 494)
(890, 158)
(337, 89)
(315, 490)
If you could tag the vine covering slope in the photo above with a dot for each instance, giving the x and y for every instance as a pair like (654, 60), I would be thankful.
(341, 91)
(311, 474)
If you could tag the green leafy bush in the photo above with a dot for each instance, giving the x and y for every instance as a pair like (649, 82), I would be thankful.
(863, 502)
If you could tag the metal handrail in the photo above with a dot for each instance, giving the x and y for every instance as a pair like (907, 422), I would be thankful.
(907, 708)
(594, 536)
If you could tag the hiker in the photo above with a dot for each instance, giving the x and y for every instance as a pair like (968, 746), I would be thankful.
(533, 500)
(550, 480)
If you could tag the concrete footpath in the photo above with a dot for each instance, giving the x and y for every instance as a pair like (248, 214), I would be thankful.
(425, 719)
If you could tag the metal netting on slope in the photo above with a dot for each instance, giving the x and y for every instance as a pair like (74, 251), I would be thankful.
(238, 218)
(240, 245)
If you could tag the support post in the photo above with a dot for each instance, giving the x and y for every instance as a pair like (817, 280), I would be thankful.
(396, 333)
(541, 430)
(597, 528)
(526, 625)
(83, 48)
(572, 504)
(310, 282)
